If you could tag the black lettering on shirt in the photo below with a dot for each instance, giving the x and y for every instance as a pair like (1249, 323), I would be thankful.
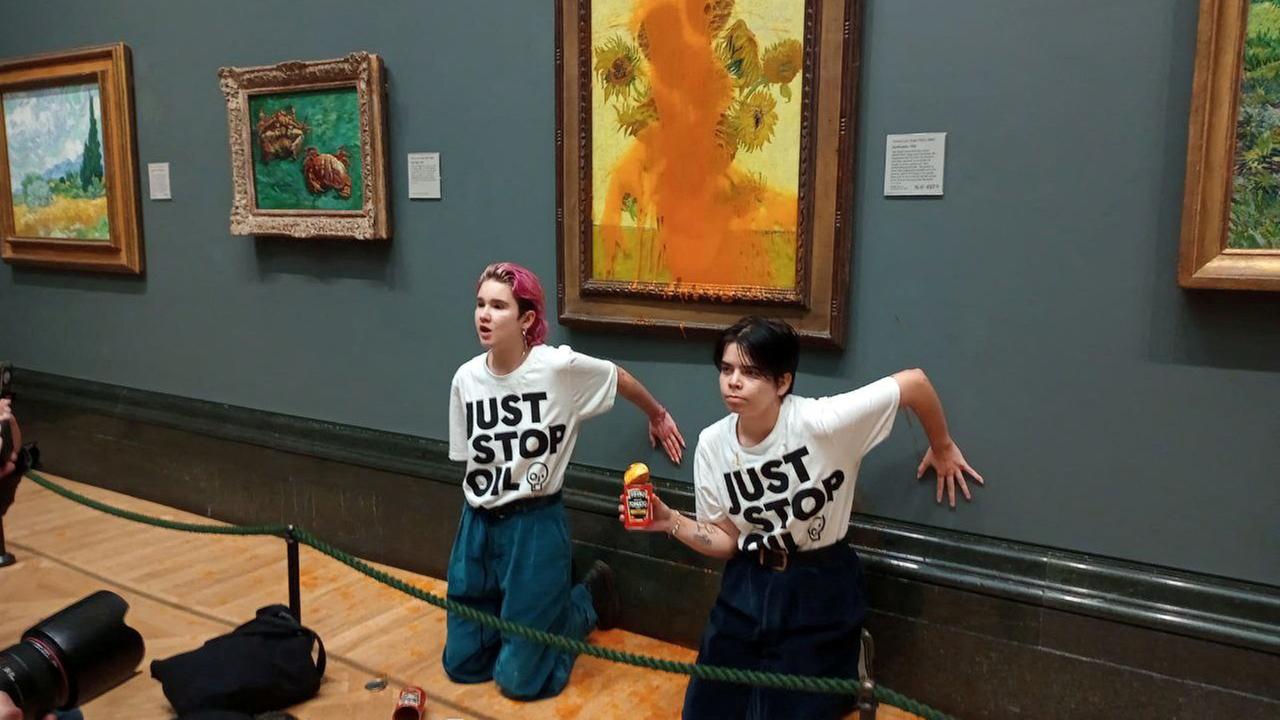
(535, 410)
(511, 410)
(778, 481)
(480, 445)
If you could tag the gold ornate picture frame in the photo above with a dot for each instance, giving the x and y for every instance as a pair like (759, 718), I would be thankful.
(1231, 206)
(704, 164)
(68, 163)
(309, 148)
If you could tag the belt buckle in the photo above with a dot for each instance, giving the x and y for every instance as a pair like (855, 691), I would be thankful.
(766, 555)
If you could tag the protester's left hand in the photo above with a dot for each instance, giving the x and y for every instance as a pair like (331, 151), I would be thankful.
(949, 464)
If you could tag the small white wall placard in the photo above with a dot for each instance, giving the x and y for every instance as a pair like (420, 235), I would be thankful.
(914, 164)
(158, 180)
(424, 175)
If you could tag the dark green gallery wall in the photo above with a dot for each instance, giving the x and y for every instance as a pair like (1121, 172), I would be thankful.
(1111, 412)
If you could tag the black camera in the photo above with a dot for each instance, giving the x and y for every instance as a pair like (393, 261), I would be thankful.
(71, 657)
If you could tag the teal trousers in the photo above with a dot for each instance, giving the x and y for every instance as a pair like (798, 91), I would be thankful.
(517, 566)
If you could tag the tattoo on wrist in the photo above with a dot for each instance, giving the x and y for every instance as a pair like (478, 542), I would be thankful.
(703, 534)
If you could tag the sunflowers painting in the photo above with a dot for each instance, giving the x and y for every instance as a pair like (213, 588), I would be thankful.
(695, 154)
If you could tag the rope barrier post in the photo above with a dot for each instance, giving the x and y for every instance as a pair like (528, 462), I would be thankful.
(6, 557)
(295, 590)
(866, 686)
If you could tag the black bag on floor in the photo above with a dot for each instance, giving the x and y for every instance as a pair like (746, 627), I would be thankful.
(262, 665)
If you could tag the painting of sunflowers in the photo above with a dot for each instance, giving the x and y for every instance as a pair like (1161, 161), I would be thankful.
(695, 155)
(308, 142)
(705, 163)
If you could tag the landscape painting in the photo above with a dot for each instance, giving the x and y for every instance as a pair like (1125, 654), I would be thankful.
(1255, 207)
(56, 172)
(67, 161)
(1231, 196)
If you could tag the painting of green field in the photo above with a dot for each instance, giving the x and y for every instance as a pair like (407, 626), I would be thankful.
(306, 150)
(1255, 202)
(53, 144)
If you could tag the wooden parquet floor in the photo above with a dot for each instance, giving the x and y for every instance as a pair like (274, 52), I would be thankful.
(184, 588)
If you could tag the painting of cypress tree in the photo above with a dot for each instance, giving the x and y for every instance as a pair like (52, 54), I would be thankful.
(91, 166)
(68, 169)
(54, 144)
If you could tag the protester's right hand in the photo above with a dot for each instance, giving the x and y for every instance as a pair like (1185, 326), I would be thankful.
(9, 711)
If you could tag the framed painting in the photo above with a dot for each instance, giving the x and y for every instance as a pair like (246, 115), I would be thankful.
(67, 161)
(1231, 206)
(308, 148)
(705, 163)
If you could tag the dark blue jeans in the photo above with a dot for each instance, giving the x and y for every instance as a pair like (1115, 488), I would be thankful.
(805, 620)
(518, 568)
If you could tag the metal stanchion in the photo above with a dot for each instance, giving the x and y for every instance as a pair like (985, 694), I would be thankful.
(866, 686)
(295, 590)
(6, 558)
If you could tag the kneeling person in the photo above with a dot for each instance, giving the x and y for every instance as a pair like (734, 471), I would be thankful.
(774, 482)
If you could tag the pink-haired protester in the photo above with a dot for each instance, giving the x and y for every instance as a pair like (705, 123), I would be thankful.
(514, 414)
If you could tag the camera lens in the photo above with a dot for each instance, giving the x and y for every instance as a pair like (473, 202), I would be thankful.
(32, 679)
(72, 656)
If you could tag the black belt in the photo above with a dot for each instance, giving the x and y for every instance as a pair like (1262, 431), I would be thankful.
(516, 507)
(779, 560)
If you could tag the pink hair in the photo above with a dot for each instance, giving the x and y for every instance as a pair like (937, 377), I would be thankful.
(527, 289)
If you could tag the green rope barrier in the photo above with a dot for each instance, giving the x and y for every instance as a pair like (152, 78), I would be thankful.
(755, 678)
(47, 484)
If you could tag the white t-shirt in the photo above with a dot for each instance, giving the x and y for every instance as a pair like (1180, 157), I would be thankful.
(794, 490)
(517, 431)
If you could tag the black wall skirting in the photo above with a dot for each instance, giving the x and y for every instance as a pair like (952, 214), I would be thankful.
(976, 626)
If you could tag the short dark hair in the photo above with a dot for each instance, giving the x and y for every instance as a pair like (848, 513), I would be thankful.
(771, 346)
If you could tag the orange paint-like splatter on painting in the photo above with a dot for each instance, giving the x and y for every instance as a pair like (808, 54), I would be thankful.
(695, 141)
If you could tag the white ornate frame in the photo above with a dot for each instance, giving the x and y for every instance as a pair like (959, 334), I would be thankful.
(363, 70)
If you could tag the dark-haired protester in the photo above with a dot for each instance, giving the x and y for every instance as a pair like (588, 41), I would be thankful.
(774, 482)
